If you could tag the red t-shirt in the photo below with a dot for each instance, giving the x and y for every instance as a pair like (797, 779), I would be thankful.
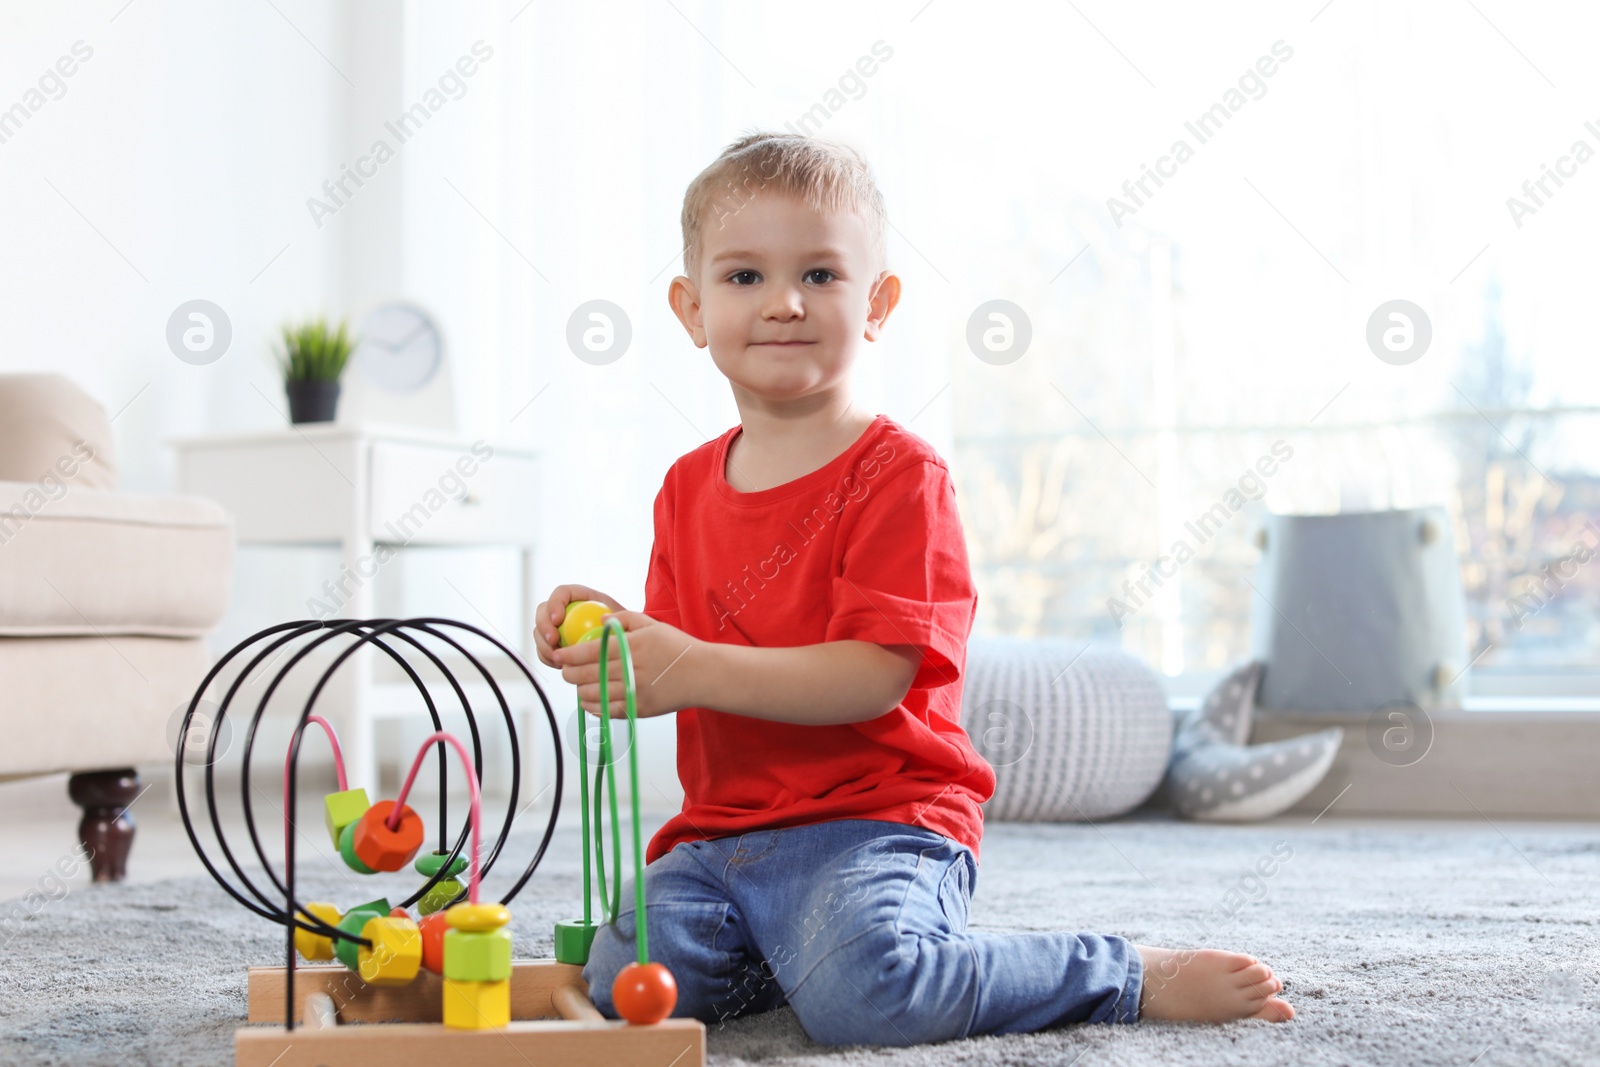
(869, 548)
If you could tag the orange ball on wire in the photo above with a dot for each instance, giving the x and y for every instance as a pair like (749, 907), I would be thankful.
(644, 993)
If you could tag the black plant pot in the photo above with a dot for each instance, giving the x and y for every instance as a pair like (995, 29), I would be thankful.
(312, 400)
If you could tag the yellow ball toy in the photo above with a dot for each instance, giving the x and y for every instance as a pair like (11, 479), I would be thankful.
(582, 622)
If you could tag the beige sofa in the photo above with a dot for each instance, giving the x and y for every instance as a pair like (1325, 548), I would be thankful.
(105, 601)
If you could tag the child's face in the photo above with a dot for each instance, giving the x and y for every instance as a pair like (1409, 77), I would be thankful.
(776, 271)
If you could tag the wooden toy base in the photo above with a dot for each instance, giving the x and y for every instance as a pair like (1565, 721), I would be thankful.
(553, 1022)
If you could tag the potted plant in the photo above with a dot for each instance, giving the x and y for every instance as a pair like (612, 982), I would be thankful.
(314, 356)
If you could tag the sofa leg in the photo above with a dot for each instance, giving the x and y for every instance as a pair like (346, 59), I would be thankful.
(107, 829)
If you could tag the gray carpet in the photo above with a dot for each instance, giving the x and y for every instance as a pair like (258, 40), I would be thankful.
(1447, 943)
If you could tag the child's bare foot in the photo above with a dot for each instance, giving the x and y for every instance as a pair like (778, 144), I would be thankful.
(1208, 985)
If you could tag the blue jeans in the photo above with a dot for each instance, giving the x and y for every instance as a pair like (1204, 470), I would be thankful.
(861, 926)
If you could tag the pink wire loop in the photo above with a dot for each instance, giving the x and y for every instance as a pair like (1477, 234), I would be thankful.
(288, 760)
(333, 741)
(393, 821)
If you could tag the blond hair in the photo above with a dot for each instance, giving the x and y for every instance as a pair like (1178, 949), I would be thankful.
(827, 177)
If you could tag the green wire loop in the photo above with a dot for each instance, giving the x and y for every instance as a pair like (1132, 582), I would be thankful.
(612, 907)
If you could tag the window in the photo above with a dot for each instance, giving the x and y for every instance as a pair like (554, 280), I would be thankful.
(1174, 337)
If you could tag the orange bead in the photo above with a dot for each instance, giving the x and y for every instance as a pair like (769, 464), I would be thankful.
(644, 993)
(433, 929)
(384, 849)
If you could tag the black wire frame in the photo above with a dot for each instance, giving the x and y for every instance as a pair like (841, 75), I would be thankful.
(294, 915)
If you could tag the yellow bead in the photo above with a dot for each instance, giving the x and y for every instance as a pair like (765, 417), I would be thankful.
(477, 1005)
(396, 952)
(583, 621)
(478, 917)
(316, 946)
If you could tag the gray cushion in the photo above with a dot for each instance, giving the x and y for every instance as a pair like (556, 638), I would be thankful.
(1214, 776)
(1073, 734)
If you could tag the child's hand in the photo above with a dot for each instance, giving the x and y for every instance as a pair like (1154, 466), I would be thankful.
(661, 680)
(547, 617)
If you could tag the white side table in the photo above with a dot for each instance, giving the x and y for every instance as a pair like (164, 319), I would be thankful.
(361, 486)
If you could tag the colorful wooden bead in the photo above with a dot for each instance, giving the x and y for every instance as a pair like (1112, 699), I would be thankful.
(343, 809)
(644, 993)
(433, 928)
(583, 621)
(428, 864)
(349, 952)
(314, 946)
(477, 956)
(478, 917)
(347, 850)
(439, 897)
(573, 940)
(399, 913)
(477, 1005)
(384, 849)
(396, 952)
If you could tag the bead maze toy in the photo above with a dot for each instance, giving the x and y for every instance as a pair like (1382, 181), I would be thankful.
(410, 989)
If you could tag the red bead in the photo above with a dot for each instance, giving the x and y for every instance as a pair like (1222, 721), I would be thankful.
(433, 929)
(644, 993)
(384, 849)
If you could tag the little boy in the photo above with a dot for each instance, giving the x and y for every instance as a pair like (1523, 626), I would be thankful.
(806, 614)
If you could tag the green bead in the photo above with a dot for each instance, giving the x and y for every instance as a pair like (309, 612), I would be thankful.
(343, 809)
(477, 956)
(439, 897)
(428, 865)
(573, 940)
(349, 952)
(347, 849)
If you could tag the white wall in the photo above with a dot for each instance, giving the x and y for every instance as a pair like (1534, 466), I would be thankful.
(181, 141)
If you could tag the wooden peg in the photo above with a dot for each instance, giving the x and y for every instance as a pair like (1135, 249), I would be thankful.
(320, 1012)
(573, 1003)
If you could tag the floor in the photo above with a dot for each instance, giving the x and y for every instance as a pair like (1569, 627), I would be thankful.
(1401, 942)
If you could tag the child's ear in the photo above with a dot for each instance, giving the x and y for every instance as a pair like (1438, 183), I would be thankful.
(685, 301)
(885, 295)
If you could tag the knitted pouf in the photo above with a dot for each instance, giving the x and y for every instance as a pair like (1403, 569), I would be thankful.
(1072, 737)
